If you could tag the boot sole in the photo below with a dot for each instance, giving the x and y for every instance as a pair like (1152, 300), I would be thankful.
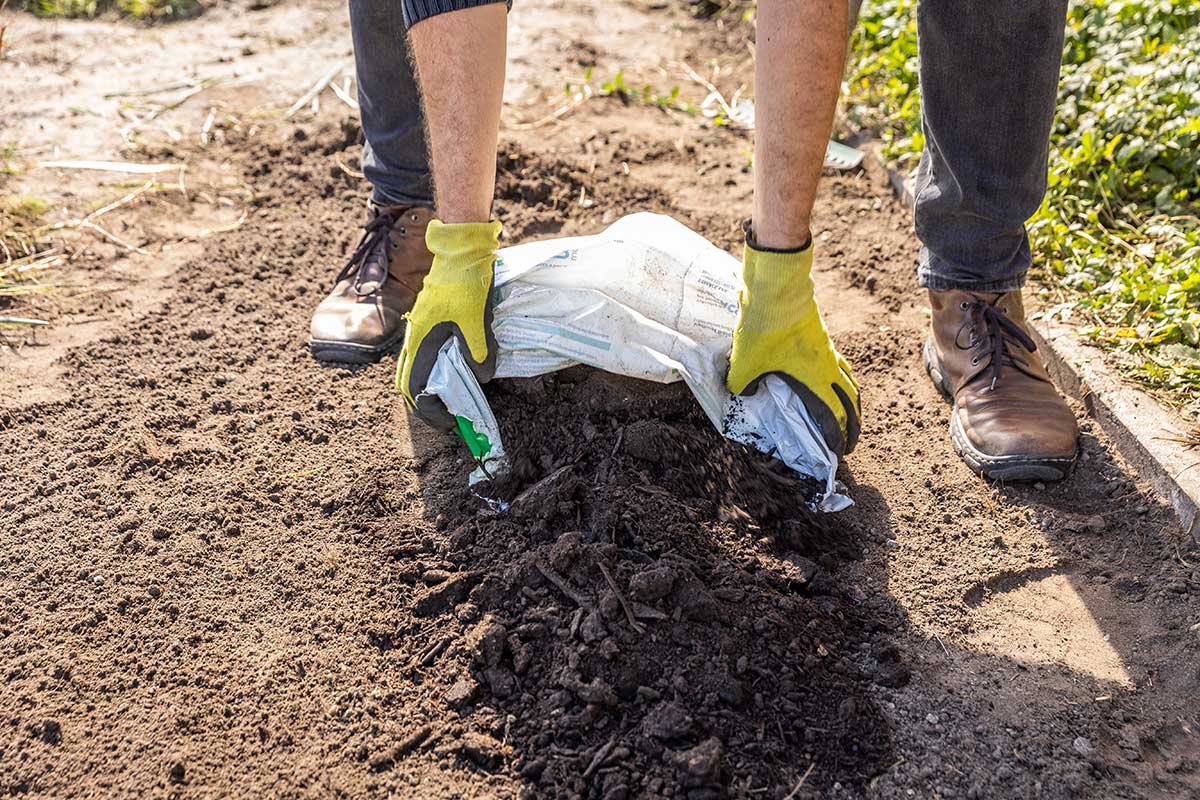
(1000, 468)
(350, 353)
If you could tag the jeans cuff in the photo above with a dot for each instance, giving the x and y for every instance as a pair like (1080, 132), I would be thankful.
(381, 197)
(929, 276)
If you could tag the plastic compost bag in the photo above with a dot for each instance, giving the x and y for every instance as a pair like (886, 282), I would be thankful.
(647, 298)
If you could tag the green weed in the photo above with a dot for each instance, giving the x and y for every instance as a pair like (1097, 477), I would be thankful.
(135, 9)
(617, 87)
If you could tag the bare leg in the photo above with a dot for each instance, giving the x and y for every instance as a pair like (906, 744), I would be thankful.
(801, 55)
(460, 63)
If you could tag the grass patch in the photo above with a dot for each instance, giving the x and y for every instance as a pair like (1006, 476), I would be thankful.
(134, 9)
(1119, 230)
(8, 158)
(24, 257)
(25, 207)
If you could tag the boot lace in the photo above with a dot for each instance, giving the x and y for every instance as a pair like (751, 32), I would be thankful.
(375, 237)
(999, 336)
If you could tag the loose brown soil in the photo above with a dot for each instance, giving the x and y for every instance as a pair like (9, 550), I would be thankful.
(230, 571)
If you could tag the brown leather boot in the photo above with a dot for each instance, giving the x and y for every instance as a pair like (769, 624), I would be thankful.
(362, 319)
(1008, 422)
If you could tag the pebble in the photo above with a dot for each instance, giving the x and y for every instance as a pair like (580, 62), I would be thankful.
(178, 772)
(500, 681)
(652, 584)
(701, 765)
(1082, 746)
(481, 749)
(154, 591)
(566, 550)
(592, 629)
(667, 721)
(462, 692)
(1096, 524)
(487, 640)
(931, 718)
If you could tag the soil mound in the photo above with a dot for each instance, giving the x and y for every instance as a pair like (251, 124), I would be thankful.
(652, 615)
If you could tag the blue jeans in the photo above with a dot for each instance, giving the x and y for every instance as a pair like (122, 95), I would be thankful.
(395, 158)
(989, 82)
(989, 86)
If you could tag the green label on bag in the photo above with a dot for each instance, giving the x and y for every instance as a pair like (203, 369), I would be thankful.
(477, 443)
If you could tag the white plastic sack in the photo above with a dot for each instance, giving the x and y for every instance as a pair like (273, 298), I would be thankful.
(647, 298)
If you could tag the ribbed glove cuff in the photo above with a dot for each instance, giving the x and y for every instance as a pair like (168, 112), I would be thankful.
(778, 288)
(462, 250)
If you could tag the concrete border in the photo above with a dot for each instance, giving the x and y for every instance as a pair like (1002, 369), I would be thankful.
(1144, 431)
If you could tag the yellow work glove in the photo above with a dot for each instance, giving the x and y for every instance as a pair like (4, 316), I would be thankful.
(454, 301)
(779, 332)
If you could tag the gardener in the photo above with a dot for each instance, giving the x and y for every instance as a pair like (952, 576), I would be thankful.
(989, 79)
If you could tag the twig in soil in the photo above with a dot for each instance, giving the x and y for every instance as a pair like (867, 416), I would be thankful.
(89, 221)
(315, 89)
(598, 759)
(617, 444)
(563, 586)
(430, 653)
(126, 200)
(16, 268)
(343, 94)
(800, 784)
(413, 740)
(576, 101)
(351, 172)
(939, 641)
(206, 128)
(735, 118)
(22, 321)
(205, 233)
(406, 746)
(183, 98)
(612, 584)
(170, 87)
(183, 183)
(110, 166)
(112, 237)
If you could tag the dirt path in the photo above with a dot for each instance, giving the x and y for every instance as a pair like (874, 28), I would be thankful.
(232, 572)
